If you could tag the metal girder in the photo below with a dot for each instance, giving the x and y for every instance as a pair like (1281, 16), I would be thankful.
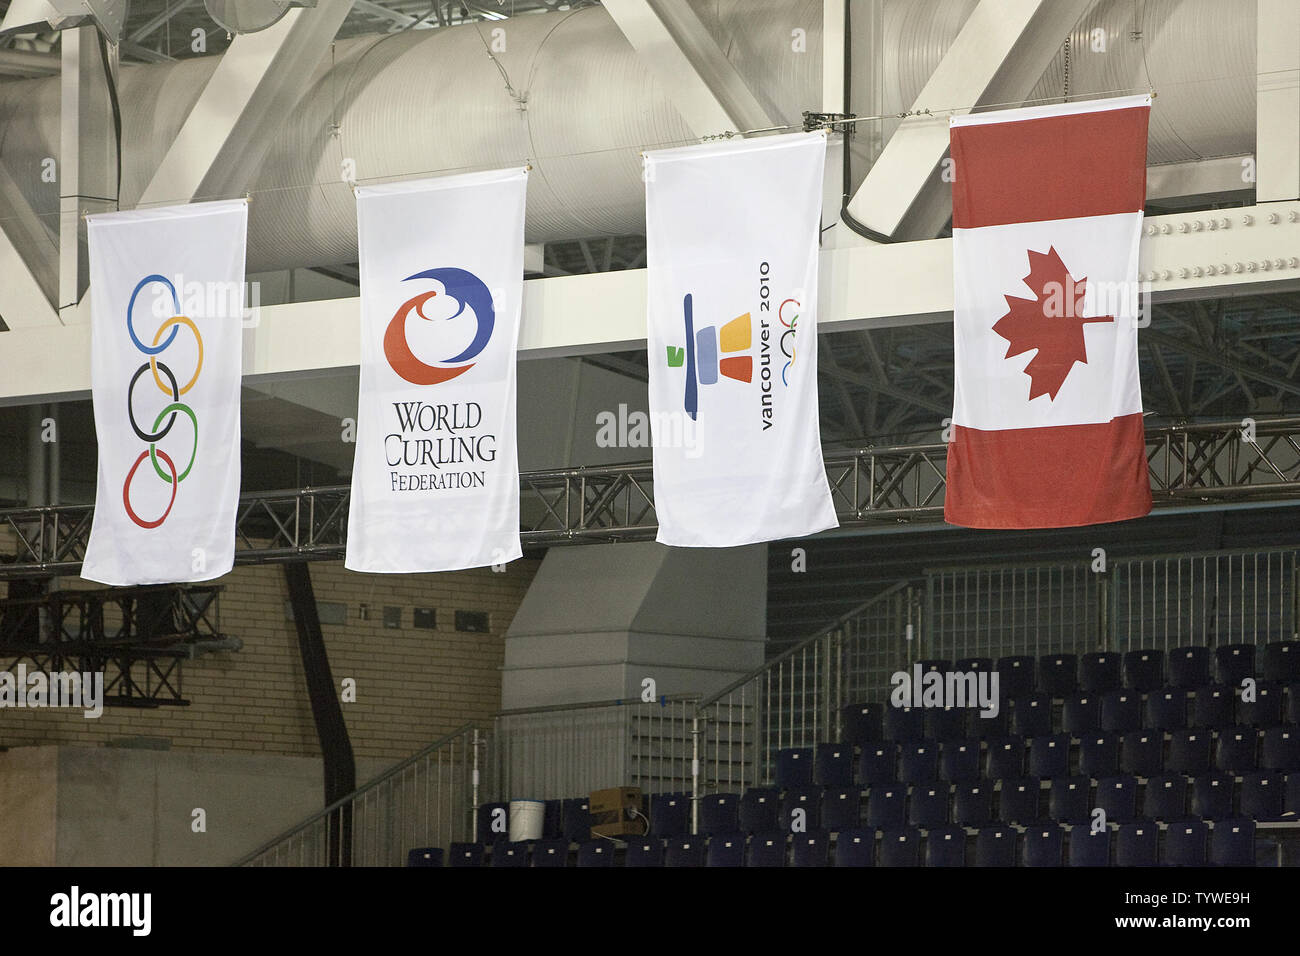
(1212, 462)
(678, 49)
(1277, 100)
(159, 20)
(260, 78)
(1001, 52)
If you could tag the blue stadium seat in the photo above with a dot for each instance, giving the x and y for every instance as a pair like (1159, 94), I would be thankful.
(1043, 846)
(1281, 661)
(1099, 672)
(685, 851)
(855, 848)
(1234, 663)
(1006, 758)
(719, 813)
(1291, 704)
(1031, 716)
(726, 850)
(918, 762)
(1261, 795)
(841, 809)
(1081, 714)
(810, 849)
(1232, 843)
(1142, 752)
(1049, 756)
(1144, 670)
(794, 767)
(1068, 800)
(644, 852)
(493, 822)
(945, 723)
(929, 806)
(551, 853)
(1099, 754)
(465, 854)
(886, 807)
(1212, 796)
(861, 723)
(766, 850)
(1165, 797)
(900, 848)
(759, 808)
(1015, 676)
(995, 846)
(972, 804)
(1281, 749)
(904, 724)
(1185, 843)
(1166, 709)
(424, 856)
(670, 814)
(1117, 797)
(1212, 707)
(986, 726)
(945, 846)
(1088, 848)
(509, 855)
(1235, 750)
(1189, 751)
(1291, 803)
(935, 664)
(879, 764)
(575, 820)
(976, 664)
(553, 819)
(1189, 667)
(1058, 675)
(1265, 710)
(807, 799)
(1136, 844)
(1121, 711)
(834, 766)
(959, 761)
(1018, 801)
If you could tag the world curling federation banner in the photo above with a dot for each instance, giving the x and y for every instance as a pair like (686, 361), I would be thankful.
(732, 235)
(435, 478)
(166, 314)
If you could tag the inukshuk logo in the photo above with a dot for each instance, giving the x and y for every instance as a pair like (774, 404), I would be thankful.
(1052, 322)
(710, 352)
(165, 379)
(433, 435)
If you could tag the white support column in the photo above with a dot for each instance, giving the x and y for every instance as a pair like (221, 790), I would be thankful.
(259, 80)
(1277, 110)
(1000, 53)
(677, 48)
(87, 159)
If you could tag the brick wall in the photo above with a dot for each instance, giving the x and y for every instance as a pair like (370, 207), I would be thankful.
(413, 685)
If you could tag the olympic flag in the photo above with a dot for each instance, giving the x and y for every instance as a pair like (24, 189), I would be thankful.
(732, 233)
(166, 313)
(435, 478)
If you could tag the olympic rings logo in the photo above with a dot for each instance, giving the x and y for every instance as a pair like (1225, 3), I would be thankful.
(166, 382)
(788, 334)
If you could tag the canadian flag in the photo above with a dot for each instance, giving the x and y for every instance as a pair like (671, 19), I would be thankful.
(1047, 406)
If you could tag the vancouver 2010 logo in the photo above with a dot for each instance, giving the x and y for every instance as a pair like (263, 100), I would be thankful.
(472, 296)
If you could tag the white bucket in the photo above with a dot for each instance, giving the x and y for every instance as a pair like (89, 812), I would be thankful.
(527, 818)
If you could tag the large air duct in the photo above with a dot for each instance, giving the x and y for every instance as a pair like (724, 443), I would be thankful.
(569, 94)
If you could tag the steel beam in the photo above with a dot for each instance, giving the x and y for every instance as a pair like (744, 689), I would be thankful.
(1277, 109)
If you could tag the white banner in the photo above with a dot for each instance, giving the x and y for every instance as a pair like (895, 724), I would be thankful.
(166, 309)
(732, 234)
(435, 479)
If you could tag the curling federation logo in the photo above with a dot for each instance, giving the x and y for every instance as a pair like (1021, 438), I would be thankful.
(468, 295)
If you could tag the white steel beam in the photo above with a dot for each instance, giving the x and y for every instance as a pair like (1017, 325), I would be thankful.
(866, 286)
(1277, 104)
(1001, 52)
(1218, 177)
(259, 80)
(682, 55)
(28, 261)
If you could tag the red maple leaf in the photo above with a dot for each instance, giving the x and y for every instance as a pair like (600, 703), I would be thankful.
(1051, 322)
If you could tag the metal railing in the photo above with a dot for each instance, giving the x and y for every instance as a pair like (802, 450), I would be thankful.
(425, 800)
(545, 753)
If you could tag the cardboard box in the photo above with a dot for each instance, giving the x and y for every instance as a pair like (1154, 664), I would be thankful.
(615, 812)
